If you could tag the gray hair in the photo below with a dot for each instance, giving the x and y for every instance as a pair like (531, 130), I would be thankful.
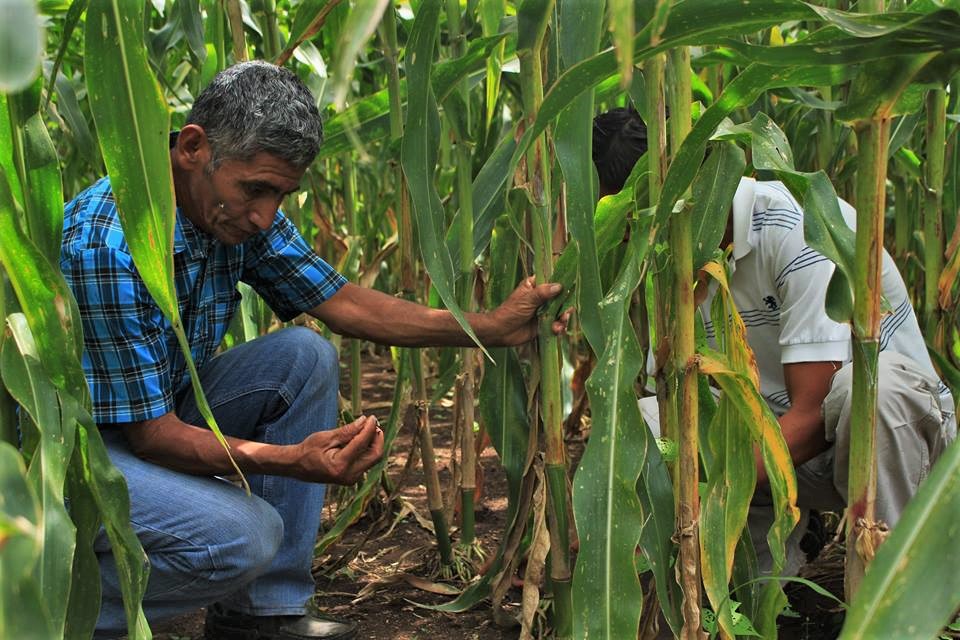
(255, 107)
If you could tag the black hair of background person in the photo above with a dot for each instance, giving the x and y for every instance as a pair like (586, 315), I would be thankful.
(619, 139)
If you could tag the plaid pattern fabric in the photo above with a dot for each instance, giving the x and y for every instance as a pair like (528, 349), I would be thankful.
(131, 358)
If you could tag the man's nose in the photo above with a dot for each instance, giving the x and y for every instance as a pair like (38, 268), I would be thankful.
(263, 217)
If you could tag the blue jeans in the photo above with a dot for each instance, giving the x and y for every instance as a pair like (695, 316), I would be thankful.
(208, 541)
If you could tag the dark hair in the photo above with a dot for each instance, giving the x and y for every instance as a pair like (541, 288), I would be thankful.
(256, 107)
(619, 139)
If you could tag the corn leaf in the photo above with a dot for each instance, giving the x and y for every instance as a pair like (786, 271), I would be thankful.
(361, 22)
(45, 298)
(22, 610)
(824, 227)
(503, 395)
(21, 45)
(607, 597)
(912, 589)
(109, 492)
(369, 117)
(712, 191)
(418, 156)
(37, 165)
(28, 384)
(742, 390)
(731, 470)
(133, 125)
(579, 26)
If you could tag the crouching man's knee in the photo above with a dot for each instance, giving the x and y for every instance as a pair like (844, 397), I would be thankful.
(911, 430)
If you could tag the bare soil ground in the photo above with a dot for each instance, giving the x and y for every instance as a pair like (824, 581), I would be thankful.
(366, 576)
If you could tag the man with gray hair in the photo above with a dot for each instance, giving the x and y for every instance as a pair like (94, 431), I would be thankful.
(247, 143)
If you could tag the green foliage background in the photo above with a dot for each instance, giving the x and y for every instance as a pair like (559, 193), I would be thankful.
(456, 162)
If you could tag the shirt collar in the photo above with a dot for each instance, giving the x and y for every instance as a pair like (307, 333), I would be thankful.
(743, 201)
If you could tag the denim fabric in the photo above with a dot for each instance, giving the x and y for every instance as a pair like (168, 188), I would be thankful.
(207, 541)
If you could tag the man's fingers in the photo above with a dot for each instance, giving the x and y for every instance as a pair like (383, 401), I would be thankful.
(548, 291)
(560, 324)
(361, 440)
(347, 432)
(374, 452)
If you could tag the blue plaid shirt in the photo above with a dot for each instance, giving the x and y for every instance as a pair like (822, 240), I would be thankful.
(131, 358)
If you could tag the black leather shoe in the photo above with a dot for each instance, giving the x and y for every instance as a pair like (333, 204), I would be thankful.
(223, 624)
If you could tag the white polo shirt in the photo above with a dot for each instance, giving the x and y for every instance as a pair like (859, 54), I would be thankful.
(779, 286)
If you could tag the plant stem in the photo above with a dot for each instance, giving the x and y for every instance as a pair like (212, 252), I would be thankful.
(538, 179)
(408, 286)
(466, 380)
(873, 139)
(271, 31)
(682, 362)
(933, 211)
(235, 16)
(353, 272)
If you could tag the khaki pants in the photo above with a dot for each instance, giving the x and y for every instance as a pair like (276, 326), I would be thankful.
(912, 430)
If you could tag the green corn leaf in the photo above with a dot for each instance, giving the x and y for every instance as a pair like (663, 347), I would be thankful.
(84, 606)
(503, 395)
(28, 384)
(109, 492)
(133, 125)
(22, 609)
(607, 597)
(192, 23)
(361, 22)
(369, 118)
(418, 157)
(753, 410)
(491, 11)
(912, 589)
(740, 92)
(580, 24)
(309, 19)
(69, 24)
(69, 108)
(36, 164)
(45, 298)
(713, 190)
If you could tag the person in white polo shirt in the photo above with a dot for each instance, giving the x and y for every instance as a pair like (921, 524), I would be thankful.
(779, 284)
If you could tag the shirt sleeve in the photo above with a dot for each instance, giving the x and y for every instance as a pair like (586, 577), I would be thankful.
(125, 356)
(287, 273)
(807, 334)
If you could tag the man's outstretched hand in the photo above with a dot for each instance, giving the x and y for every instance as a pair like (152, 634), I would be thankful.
(340, 456)
(515, 321)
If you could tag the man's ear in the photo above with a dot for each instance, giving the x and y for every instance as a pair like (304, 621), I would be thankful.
(192, 150)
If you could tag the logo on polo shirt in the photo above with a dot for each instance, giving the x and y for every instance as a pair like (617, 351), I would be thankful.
(771, 303)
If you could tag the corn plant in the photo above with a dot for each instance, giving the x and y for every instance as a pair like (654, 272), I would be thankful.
(467, 149)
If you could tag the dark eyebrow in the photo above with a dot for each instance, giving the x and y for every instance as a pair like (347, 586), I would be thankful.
(263, 185)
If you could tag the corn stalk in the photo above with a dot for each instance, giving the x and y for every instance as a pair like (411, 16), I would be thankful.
(408, 287)
(933, 237)
(682, 364)
(532, 19)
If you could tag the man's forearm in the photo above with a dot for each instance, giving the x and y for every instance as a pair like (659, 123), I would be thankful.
(172, 443)
(803, 433)
(358, 312)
